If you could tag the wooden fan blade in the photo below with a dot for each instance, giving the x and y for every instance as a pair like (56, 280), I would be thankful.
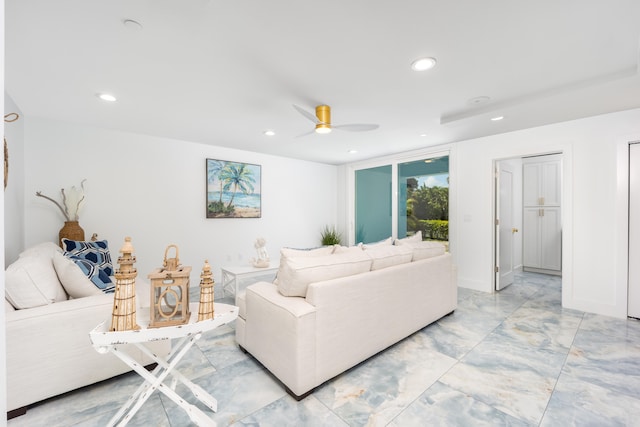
(356, 127)
(307, 114)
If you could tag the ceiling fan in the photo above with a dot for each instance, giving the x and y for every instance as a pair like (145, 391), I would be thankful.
(322, 120)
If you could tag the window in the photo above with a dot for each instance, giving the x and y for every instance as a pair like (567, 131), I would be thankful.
(423, 198)
(421, 201)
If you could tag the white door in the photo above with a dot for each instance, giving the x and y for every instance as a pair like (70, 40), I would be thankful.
(633, 303)
(504, 226)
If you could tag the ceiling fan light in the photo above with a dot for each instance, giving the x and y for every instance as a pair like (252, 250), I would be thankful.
(323, 128)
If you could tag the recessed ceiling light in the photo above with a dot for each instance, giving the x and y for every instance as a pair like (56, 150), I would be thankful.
(269, 132)
(423, 64)
(497, 118)
(107, 97)
(352, 151)
(423, 135)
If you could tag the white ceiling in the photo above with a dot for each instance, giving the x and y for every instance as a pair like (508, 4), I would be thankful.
(221, 72)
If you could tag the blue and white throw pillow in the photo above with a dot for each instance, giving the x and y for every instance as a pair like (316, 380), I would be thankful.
(96, 274)
(97, 252)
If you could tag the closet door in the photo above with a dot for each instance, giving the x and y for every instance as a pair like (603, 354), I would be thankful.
(542, 225)
(633, 302)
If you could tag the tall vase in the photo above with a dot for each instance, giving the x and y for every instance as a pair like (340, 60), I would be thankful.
(72, 231)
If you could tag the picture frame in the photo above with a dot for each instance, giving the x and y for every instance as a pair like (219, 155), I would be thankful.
(233, 189)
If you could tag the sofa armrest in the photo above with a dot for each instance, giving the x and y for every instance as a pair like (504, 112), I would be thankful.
(280, 333)
(59, 308)
(49, 351)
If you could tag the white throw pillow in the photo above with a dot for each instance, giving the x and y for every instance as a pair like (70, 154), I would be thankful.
(423, 250)
(346, 249)
(321, 251)
(297, 273)
(8, 307)
(73, 279)
(417, 237)
(386, 256)
(386, 242)
(31, 281)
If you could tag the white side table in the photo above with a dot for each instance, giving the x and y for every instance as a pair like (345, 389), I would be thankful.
(105, 341)
(231, 276)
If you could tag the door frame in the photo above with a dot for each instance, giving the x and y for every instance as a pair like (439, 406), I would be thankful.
(566, 237)
(622, 221)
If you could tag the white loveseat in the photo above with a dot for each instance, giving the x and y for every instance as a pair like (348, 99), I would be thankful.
(48, 346)
(337, 322)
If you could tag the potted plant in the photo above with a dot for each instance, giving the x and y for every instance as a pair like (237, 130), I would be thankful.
(330, 236)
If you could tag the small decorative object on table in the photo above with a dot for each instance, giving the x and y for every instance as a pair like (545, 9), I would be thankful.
(169, 292)
(124, 300)
(72, 201)
(205, 308)
(263, 257)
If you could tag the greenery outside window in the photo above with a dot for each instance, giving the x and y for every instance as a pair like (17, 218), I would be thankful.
(423, 198)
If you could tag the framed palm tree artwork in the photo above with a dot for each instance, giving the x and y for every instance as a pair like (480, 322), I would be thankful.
(233, 190)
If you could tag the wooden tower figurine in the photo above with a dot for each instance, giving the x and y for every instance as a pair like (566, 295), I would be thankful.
(205, 308)
(124, 300)
(169, 293)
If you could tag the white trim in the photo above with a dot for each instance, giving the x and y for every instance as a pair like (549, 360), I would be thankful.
(566, 151)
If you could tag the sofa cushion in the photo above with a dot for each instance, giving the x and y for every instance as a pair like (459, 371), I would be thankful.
(31, 281)
(74, 279)
(8, 307)
(427, 249)
(293, 252)
(386, 256)
(97, 252)
(296, 273)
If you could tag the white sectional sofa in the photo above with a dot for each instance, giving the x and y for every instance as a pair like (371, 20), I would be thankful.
(329, 325)
(48, 346)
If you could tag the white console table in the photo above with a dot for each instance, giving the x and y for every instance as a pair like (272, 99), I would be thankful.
(105, 341)
(231, 276)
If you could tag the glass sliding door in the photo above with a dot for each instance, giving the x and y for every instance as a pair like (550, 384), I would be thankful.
(402, 197)
(373, 198)
(423, 198)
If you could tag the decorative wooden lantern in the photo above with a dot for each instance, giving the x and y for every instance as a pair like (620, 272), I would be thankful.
(205, 308)
(124, 300)
(169, 293)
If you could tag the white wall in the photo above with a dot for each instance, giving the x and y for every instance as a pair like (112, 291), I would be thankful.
(590, 162)
(153, 189)
(594, 254)
(14, 193)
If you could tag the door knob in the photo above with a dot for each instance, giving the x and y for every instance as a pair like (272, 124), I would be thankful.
(514, 230)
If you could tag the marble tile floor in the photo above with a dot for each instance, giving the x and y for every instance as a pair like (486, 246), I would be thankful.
(514, 358)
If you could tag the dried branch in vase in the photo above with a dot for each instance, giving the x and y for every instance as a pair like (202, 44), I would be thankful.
(71, 202)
